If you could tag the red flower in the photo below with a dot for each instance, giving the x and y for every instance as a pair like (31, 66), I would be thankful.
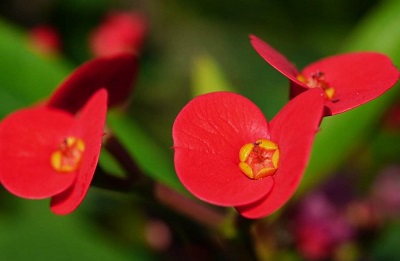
(47, 152)
(115, 73)
(119, 32)
(52, 150)
(349, 80)
(45, 40)
(226, 153)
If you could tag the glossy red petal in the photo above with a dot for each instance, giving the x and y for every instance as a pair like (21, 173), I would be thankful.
(28, 137)
(208, 134)
(293, 128)
(89, 126)
(275, 59)
(356, 77)
(115, 73)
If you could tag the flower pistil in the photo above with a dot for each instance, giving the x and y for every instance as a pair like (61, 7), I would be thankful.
(259, 159)
(317, 79)
(68, 156)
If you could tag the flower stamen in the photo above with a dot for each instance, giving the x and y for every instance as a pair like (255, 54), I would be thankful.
(317, 79)
(259, 159)
(67, 158)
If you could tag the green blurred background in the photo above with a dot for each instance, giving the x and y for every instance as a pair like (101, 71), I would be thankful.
(190, 44)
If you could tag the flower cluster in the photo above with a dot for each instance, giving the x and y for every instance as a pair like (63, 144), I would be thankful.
(226, 153)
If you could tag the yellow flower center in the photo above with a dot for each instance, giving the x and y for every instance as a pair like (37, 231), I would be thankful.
(67, 158)
(259, 159)
(317, 79)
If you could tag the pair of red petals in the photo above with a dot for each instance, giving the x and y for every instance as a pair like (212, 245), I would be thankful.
(78, 108)
(209, 132)
(357, 77)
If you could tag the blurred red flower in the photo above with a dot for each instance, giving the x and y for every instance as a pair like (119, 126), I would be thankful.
(320, 227)
(45, 40)
(348, 80)
(119, 32)
(226, 153)
(114, 73)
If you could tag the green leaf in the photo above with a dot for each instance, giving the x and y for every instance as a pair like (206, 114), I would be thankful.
(207, 76)
(154, 160)
(25, 76)
(341, 134)
(110, 165)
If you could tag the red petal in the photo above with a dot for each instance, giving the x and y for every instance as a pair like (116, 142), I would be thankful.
(115, 73)
(275, 59)
(293, 129)
(28, 138)
(90, 127)
(208, 134)
(356, 77)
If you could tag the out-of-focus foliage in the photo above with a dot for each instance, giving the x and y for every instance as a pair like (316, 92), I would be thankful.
(207, 77)
(25, 77)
